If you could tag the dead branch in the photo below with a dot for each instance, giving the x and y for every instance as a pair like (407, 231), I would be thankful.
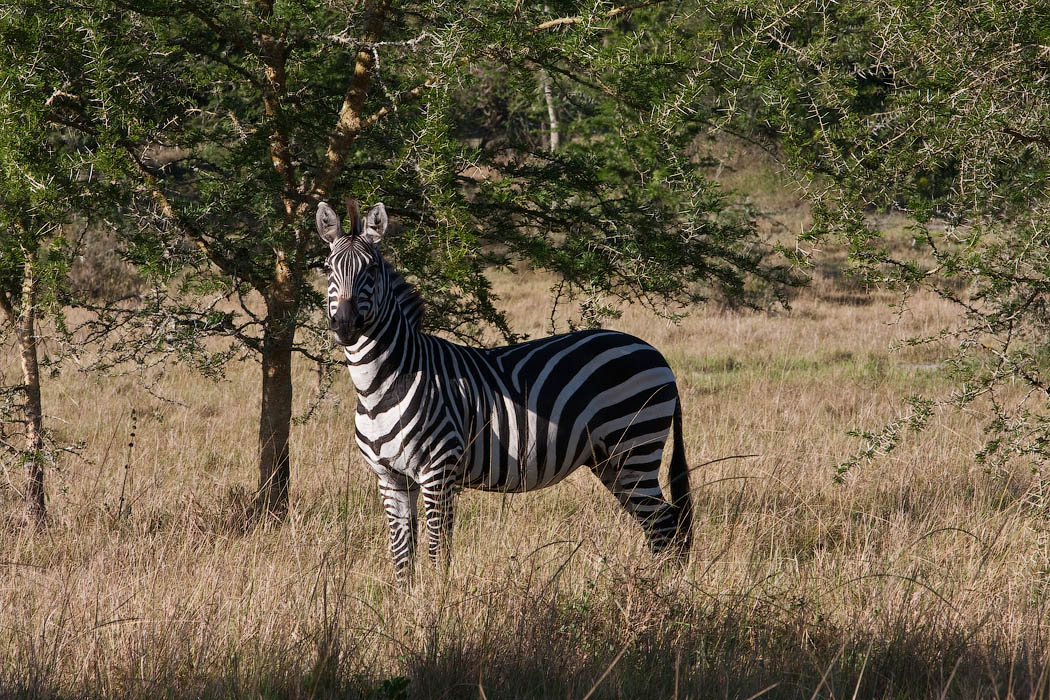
(611, 14)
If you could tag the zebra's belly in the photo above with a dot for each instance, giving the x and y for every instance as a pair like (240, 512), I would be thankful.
(523, 450)
(511, 462)
(497, 478)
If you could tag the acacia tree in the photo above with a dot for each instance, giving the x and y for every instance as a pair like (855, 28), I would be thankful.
(21, 269)
(226, 123)
(40, 187)
(941, 111)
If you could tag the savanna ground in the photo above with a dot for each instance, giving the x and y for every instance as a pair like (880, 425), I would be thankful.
(923, 575)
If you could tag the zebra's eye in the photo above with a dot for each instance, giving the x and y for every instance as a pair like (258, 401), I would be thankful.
(326, 267)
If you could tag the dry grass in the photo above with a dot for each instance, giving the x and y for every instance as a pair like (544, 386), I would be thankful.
(922, 576)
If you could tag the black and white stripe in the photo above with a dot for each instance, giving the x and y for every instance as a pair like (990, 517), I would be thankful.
(433, 416)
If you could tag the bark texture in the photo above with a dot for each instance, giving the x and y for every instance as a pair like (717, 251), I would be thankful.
(23, 318)
(275, 413)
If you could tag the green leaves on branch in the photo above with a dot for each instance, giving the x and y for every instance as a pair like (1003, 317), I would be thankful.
(882, 442)
(939, 111)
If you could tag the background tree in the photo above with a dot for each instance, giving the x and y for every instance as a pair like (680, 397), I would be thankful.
(939, 111)
(42, 182)
(226, 123)
(23, 261)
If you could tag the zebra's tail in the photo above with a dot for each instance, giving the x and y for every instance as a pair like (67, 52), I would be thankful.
(678, 477)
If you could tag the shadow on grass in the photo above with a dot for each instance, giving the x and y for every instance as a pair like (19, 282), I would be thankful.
(724, 655)
(577, 646)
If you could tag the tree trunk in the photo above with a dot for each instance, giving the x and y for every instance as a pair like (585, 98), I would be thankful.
(275, 415)
(552, 112)
(282, 294)
(25, 331)
(34, 475)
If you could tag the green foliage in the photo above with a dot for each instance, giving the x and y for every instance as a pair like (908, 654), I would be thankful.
(620, 211)
(882, 442)
(37, 173)
(213, 128)
(938, 110)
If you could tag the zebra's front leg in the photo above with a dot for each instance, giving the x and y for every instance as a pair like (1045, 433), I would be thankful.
(400, 495)
(438, 492)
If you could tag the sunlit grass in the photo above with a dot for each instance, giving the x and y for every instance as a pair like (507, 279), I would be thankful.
(921, 575)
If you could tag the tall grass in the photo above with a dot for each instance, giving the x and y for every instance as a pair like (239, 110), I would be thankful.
(922, 576)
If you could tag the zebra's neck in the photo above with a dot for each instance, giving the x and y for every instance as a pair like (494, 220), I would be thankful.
(387, 349)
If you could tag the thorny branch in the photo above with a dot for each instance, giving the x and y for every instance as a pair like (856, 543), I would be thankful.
(611, 14)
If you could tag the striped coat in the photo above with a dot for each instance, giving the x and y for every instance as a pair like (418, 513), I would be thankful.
(434, 416)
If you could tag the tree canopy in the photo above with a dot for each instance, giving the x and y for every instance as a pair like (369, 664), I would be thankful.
(564, 135)
(937, 111)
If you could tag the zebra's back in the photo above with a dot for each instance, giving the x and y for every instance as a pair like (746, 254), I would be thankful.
(537, 410)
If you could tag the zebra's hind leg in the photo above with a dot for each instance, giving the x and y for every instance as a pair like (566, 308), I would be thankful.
(633, 477)
(400, 496)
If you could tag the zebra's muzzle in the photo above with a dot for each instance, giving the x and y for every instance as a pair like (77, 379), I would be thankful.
(346, 322)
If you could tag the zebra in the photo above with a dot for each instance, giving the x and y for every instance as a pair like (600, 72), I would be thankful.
(433, 416)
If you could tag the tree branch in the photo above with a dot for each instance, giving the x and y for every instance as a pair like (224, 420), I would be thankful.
(350, 123)
(239, 70)
(274, 54)
(611, 14)
(210, 21)
(62, 101)
(187, 229)
(1027, 138)
(416, 92)
(401, 99)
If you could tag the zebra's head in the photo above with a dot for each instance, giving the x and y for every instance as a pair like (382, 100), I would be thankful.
(354, 268)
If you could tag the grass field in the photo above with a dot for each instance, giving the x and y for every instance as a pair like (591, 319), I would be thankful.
(923, 575)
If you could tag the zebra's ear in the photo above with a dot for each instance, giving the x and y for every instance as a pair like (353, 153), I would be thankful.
(328, 225)
(375, 224)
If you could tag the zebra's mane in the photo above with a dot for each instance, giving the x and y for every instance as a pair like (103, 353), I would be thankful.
(405, 295)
